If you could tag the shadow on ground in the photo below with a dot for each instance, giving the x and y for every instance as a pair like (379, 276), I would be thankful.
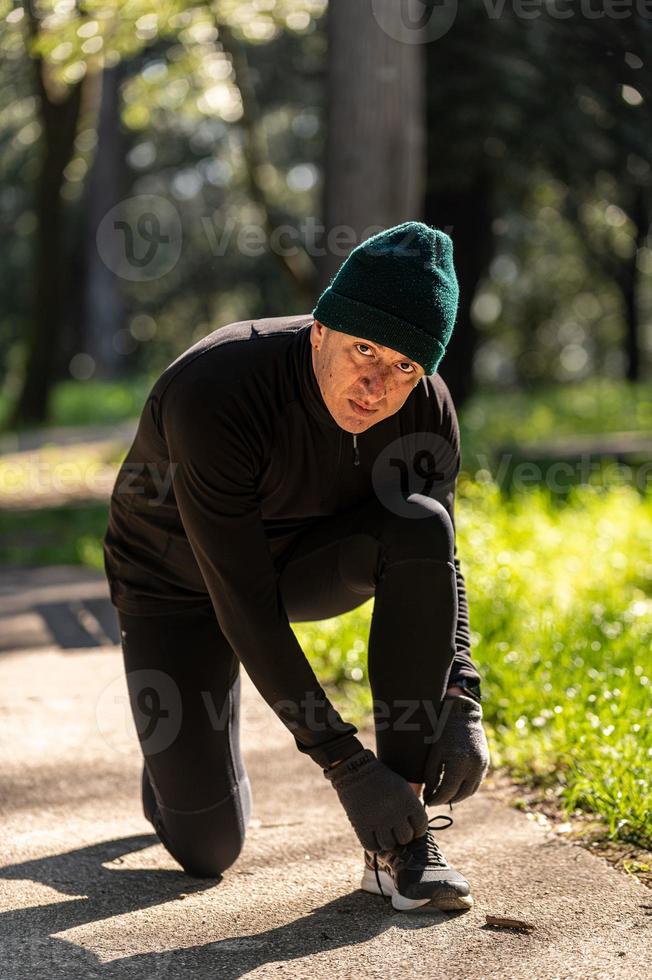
(28, 935)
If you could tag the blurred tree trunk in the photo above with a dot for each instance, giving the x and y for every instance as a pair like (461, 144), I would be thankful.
(59, 120)
(103, 311)
(630, 288)
(465, 214)
(624, 272)
(300, 266)
(375, 141)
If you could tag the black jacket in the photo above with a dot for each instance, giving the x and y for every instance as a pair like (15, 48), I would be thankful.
(235, 454)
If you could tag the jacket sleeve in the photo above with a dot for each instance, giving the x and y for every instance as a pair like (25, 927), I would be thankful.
(214, 467)
(463, 666)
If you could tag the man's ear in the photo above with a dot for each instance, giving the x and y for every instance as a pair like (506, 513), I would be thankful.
(317, 333)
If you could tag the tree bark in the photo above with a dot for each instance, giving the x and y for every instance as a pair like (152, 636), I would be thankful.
(375, 141)
(299, 265)
(465, 214)
(59, 119)
(632, 345)
(103, 305)
(624, 273)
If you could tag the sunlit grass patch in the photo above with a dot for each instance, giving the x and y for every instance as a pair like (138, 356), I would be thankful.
(91, 402)
(561, 612)
(54, 474)
(54, 536)
(597, 405)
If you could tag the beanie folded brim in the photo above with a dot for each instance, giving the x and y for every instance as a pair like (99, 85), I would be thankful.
(340, 312)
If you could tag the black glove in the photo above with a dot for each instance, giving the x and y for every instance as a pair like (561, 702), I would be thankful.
(461, 753)
(383, 808)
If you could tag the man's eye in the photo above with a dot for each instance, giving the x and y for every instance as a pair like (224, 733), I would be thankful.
(403, 364)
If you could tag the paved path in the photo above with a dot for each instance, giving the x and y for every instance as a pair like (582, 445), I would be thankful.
(86, 891)
(61, 467)
(66, 435)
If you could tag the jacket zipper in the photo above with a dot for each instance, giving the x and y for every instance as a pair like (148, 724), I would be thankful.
(356, 453)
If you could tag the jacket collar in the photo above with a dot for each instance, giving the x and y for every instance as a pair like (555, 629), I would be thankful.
(309, 389)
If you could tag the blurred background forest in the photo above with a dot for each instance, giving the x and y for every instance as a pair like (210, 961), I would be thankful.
(239, 132)
(171, 167)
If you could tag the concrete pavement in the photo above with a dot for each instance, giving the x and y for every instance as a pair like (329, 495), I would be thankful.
(86, 891)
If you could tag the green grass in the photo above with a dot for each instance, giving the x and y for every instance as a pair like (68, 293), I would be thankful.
(92, 402)
(561, 612)
(497, 418)
(54, 536)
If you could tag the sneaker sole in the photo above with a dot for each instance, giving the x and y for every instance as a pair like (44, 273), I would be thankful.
(445, 903)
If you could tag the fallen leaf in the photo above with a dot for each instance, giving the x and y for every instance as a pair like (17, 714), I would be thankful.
(502, 922)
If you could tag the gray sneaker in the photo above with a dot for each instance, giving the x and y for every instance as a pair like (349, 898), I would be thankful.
(417, 874)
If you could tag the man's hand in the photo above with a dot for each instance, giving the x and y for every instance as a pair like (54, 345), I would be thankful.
(459, 759)
(382, 808)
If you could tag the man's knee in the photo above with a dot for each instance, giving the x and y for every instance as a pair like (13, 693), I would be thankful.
(426, 533)
(210, 858)
(207, 842)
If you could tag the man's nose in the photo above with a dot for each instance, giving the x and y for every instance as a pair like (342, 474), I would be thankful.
(375, 385)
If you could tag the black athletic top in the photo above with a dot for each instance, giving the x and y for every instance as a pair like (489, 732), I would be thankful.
(235, 454)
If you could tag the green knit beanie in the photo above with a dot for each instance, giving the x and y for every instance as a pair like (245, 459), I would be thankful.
(397, 288)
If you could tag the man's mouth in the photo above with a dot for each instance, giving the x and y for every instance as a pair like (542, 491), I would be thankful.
(362, 409)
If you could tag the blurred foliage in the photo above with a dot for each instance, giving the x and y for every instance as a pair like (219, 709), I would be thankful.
(565, 149)
(54, 536)
(543, 311)
(93, 402)
(545, 137)
(548, 412)
(102, 401)
(77, 39)
(180, 112)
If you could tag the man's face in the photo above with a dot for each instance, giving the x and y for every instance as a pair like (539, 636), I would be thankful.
(353, 372)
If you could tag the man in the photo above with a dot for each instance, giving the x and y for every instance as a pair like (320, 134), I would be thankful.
(286, 470)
